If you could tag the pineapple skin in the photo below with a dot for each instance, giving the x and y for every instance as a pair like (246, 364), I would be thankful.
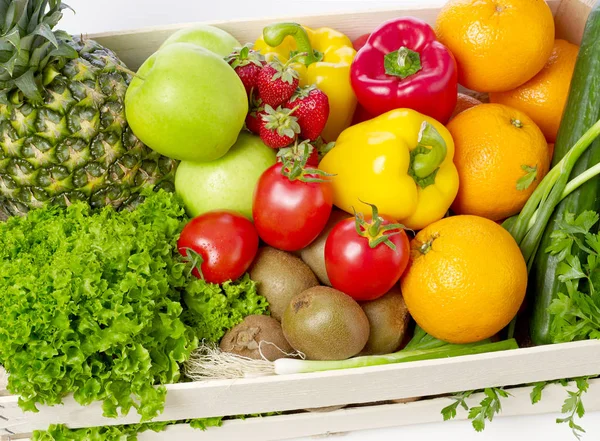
(76, 145)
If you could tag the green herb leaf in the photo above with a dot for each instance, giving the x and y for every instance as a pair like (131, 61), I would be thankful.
(575, 314)
(573, 406)
(449, 411)
(487, 409)
(524, 182)
(536, 392)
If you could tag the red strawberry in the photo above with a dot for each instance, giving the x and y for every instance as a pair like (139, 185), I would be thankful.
(279, 128)
(247, 63)
(297, 152)
(277, 83)
(254, 117)
(311, 107)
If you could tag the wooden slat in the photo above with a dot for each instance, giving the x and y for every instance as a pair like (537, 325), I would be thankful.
(570, 19)
(377, 416)
(390, 415)
(363, 385)
(133, 47)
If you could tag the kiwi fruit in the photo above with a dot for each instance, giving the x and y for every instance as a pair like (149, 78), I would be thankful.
(245, 339)
(280, 276)
(388, 321)
(314, 254)
(325, 324)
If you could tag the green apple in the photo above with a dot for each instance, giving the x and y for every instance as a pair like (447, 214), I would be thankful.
(209, 37)
(186, 103)
(227, 183)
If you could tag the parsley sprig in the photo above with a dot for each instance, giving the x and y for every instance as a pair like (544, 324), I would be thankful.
(575, 313)
(488, 407)
(573, 404)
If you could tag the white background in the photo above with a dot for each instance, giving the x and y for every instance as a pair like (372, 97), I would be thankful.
(111, 15)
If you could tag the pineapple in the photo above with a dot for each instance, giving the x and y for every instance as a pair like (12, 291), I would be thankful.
(63, 132)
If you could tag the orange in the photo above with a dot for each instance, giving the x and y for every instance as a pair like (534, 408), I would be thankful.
(498, 44)
(466, 279)
(543, 98)
(501, 156)
(464, 102)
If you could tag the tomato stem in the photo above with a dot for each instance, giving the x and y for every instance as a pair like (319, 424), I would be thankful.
(194, 258)
(295, 168)
(374, 231)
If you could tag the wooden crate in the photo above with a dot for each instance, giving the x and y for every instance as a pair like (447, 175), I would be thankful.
(356, 386)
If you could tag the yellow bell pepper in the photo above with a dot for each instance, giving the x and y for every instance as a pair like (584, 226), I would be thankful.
(326, 63)
(400, 161)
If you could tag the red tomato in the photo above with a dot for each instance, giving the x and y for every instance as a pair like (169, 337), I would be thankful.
(290, 213)
(357, 269)
(360, 41)
(222, 244)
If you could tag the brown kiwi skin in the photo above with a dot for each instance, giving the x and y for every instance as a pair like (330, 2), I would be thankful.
(314, 254)
(245, 339)
(325, 324)
(388, 320)
(280, 276)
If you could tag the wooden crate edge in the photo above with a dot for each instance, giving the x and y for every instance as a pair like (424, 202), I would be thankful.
(570, 19)
(376, 415)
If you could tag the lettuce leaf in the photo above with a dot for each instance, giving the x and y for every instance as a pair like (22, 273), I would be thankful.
(91, 304)
(214, 309)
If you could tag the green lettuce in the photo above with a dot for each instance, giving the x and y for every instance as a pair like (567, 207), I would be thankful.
(214, 309)
(58, 432)
(92, 305)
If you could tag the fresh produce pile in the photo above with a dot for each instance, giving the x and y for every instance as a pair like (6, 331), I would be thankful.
(298, 203)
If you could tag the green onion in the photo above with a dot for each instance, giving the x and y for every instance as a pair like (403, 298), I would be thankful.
(210, 363)
(528, 227)
(285, 366)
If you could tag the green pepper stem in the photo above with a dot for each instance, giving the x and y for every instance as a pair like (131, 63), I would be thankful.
(402, 63)
(427, 156)
(275, 34)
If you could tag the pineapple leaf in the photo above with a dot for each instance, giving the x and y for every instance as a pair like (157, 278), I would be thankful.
(14, 13)
(44, 30)
(28, 44)
(27, 84)
(13, 38)
(3, 13)
(34, 18)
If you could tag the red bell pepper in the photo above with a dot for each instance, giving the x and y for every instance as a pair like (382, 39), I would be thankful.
(402, 65)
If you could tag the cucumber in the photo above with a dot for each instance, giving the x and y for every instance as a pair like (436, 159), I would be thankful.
(581, 112)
